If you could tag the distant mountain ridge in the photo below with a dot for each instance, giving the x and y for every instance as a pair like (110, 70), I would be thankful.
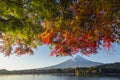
(78, 61)
(115, 65)
(112, 69)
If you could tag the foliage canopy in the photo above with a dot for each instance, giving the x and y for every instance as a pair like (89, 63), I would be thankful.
(67, 26)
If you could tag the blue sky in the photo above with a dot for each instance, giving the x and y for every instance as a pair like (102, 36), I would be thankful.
(41, 58)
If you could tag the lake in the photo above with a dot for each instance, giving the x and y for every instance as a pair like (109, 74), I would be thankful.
(54, 77)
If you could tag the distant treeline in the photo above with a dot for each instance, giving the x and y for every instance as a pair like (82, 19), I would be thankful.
(76, 71)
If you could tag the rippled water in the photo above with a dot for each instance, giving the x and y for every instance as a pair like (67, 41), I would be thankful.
(53, 77)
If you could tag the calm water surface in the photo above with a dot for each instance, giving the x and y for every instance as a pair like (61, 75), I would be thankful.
(53, 77)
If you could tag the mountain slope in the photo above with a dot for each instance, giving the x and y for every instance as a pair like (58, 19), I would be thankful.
(110, 65)
(78, 61)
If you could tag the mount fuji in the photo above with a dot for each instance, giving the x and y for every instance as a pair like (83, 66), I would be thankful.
(78, 61)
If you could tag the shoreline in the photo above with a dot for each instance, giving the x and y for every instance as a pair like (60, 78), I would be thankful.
(64, 74)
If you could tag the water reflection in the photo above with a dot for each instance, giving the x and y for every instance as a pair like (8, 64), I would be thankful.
(54, 77)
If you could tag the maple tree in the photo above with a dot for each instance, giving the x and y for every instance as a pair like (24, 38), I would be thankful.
(67, 26)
